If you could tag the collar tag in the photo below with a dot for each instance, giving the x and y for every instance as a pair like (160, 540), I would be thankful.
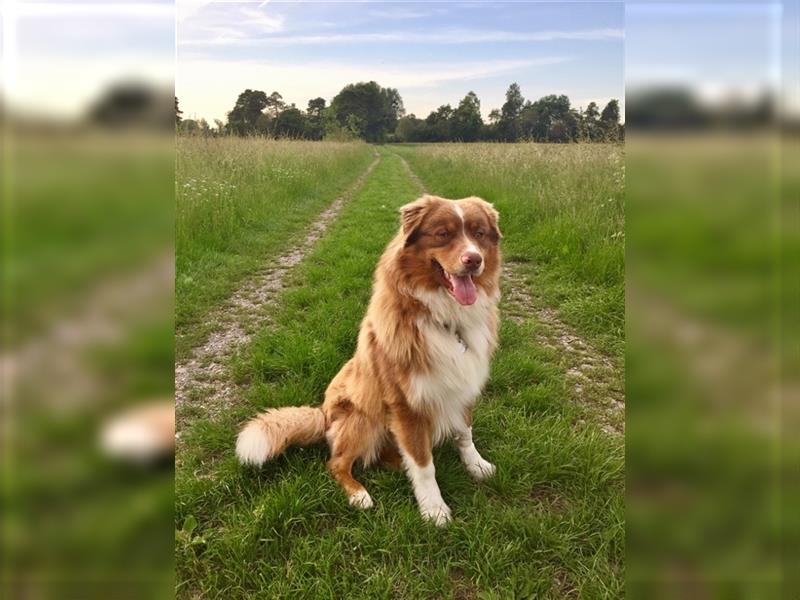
(462, 343)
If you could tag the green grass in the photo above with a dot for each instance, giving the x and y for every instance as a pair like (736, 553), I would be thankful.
(563, 216)
(705, 335)
(549, 524)
(85, 211)
(239, 203)
(81, 208)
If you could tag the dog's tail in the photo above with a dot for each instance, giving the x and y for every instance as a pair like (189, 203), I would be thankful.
(270, 433)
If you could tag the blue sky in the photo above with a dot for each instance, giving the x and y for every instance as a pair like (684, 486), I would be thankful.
(433, 52)
(717, 49)
(58, 56)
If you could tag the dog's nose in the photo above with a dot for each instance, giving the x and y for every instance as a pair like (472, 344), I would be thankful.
(471, 260)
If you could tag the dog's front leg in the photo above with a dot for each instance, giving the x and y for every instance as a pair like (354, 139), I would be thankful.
(478, 467)
(414, 440)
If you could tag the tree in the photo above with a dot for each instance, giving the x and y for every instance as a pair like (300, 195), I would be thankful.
(246, 112)
(368, 110)
(467, 120)
(275, 104)
(178, 112)
(131, 103)
(290, 123)
(510, 112)
(394, 103)
(220, 126)
(332, 129)
(491, 131)
(410, 129)
(315, 127)
(609, 121)
(264, 124)
(591, 124)
(548, 119)
(315, 107)
(189, 126)
(439, 124)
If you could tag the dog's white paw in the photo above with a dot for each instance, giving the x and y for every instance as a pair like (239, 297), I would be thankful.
(361, 499)
(438, 514)
(481, 470)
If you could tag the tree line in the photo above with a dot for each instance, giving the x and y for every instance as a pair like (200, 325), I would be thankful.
(376, 114)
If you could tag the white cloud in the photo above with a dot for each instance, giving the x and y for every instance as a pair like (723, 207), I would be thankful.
(450, 36)
(226, 23)
(400, 14)
(263, 22)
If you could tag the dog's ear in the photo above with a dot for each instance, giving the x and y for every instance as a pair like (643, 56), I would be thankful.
(411, 216)
(494, 218)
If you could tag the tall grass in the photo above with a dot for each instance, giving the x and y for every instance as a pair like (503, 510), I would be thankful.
(81, 208)
(239, 200)
(562, 212)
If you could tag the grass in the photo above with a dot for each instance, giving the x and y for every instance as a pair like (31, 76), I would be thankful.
(86, 210)
(549, 524)
(563, 217)
(705, 443)
(81, 208)
(239, 202)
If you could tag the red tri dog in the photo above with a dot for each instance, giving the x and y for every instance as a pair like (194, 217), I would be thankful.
(422, 358)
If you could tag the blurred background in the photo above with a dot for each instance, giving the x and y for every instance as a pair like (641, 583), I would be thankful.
(87, 200)
(712, 122)
(711, 313)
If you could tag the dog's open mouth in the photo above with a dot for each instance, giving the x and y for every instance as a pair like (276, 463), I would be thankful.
(460, 287)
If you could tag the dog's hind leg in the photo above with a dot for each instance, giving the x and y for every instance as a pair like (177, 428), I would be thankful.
(350, 438)
(390, 456)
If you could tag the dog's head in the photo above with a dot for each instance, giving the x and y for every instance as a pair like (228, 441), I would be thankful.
(452, 244)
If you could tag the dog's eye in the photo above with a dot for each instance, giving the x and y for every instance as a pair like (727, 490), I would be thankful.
(479, 234)
(443, 234)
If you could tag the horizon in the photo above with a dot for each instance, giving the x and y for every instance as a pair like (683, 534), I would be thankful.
(432, 53)
(82, 48)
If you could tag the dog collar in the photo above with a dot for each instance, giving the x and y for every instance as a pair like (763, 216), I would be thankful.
(450, 328)
(461, 341)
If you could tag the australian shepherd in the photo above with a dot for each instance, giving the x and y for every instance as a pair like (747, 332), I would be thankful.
(422, 358)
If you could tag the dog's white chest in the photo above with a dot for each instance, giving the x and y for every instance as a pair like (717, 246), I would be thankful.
(458, 342)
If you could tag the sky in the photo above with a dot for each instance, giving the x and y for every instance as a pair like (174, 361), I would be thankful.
(434, 53)
(58, 56)
(718, 50)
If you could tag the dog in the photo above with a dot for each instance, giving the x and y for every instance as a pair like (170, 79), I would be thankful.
(422, 358)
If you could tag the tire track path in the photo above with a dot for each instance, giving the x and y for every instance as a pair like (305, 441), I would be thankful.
(202, 382)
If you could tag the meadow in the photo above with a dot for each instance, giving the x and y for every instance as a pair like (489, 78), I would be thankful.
(88, 285)
(550, 524)
(238, 202)
(709, 312)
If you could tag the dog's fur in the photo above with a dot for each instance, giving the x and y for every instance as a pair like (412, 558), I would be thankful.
(422, 358)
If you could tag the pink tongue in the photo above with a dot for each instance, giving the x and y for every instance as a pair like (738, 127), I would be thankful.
(464, 289)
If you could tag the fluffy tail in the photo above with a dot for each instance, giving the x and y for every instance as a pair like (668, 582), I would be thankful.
(270, 433)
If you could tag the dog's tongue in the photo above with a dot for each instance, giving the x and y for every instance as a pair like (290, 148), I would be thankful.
(464, 289)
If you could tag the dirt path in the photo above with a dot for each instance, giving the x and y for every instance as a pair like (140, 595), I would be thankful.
(106, 315)
(201, 381)
(597, 380)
